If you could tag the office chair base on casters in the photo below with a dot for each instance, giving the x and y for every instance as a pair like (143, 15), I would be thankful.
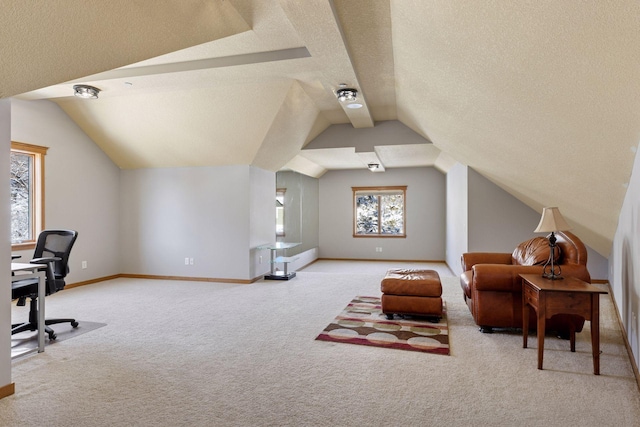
(32, 324)
(21, 327)
(52, 334)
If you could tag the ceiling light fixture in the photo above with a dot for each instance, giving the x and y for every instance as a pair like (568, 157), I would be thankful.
(347, 95)
(373, 166)
(86, 91)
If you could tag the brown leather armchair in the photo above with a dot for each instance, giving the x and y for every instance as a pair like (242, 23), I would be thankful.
(493, 288)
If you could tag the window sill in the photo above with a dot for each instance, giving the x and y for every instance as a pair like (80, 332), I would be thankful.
(23, 246)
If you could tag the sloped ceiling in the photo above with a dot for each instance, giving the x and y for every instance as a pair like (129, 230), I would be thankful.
(542, 98)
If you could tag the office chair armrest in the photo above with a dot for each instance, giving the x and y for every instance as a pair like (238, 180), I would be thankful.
(50, 279)
(45, 260)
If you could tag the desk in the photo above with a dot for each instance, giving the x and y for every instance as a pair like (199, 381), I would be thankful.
(33, 271)
(285, 260)
(570, 296)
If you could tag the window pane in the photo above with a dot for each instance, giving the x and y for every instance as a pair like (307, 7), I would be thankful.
(279, 221)
(280, 212)
(391, 210)
(366, 214)
(21, 197)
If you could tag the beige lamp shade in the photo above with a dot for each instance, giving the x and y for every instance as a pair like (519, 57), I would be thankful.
(552, 220)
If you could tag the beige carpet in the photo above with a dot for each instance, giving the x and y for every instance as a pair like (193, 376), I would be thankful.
(27, 341)
(210, 354)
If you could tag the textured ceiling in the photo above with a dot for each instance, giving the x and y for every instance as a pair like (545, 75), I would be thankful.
(542, 98)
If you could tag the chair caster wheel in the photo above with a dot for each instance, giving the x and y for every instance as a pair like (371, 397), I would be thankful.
(74, 324)
(52, 336)
(389, 316)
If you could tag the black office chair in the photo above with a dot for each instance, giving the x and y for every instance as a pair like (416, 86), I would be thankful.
(52, 249)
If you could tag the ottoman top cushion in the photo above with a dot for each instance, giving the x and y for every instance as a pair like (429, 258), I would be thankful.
(412, 282)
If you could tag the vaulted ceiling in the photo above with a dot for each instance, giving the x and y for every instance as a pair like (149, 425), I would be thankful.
(542, 98)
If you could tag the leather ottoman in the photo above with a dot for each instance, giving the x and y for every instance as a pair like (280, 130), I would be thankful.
(412, 292)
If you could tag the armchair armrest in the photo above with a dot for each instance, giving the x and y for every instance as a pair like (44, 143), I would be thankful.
(501, 278)
(576, 270)
(506, 278)
(470, 259)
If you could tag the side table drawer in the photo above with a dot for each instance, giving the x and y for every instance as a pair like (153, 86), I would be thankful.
(530, 296)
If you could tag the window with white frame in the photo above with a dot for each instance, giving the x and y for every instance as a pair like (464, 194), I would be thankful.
(27, 194)
(379, 211)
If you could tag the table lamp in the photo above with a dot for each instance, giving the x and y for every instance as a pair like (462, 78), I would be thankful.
(551, 221)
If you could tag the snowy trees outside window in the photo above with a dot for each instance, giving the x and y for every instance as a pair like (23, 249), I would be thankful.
(26, 192)
(21, 173)
(379, 211)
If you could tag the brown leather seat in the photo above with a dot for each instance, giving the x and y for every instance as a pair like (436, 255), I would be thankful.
(493, 288)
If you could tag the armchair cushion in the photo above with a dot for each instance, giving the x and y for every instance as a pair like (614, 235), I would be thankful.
(534, 252)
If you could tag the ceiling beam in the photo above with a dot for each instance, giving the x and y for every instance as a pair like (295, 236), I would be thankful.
(324, 38)
(200, 64)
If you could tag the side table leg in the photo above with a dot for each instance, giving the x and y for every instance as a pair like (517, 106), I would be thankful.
(273, 263)
(595, 332)
(542, 303)
(525, 321)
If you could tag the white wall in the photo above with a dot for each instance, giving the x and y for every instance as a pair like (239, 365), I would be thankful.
(81, 186)
(203, 213)
(498, 222)
(5, 236)
(457, 215)
(425, 215)
(624, 273)
(262, 218)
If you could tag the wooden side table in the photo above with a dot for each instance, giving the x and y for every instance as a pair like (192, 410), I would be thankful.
(569, 296)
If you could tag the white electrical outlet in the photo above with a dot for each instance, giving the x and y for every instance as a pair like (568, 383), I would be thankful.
(84, 264)
(190, 261)
(186, 261)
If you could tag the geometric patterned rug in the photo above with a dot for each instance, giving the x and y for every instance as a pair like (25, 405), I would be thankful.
(362, 322)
